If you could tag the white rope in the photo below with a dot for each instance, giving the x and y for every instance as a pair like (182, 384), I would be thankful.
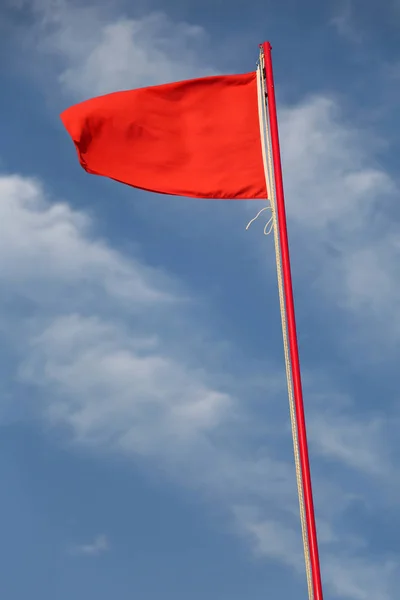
(270, 222)
(269, 176)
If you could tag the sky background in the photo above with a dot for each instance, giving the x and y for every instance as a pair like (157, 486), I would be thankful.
(145, 447)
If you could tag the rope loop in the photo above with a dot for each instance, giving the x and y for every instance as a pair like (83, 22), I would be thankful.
(270, 223)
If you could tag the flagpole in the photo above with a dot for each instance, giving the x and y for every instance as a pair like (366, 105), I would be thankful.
(291, 325)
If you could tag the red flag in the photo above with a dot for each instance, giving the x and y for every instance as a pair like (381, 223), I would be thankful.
(198, 138)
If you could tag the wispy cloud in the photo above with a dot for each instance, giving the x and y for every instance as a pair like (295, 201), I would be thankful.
(43, 242)
(98, 52)
(343, 21)
(116, 385)
(340, 200)
(114, 382)
(98, 546)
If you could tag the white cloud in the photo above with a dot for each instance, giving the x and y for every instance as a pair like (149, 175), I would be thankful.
(355, 578)
(117, 389)
(98, 546)
(271, 537)
(43, 242)
(111, 382)
(98, 53)
(356, 442)
(332, 180)
(344, 22)
(345, 573)
(78, 283)
(339, 199)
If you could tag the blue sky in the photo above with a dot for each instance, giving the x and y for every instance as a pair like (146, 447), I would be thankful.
(145, 441)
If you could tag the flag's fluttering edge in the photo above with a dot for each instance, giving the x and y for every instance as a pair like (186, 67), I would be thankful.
(198, 138)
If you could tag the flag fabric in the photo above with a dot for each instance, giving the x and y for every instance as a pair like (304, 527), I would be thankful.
(198, 138)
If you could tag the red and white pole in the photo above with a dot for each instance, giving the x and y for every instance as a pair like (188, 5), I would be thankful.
(291, 324)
